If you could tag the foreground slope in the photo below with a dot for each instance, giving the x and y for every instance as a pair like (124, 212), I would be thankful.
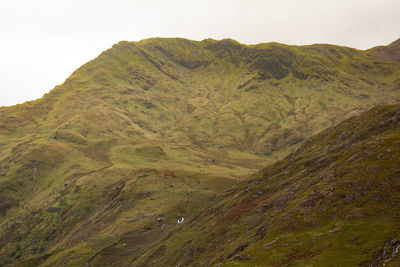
(334, 202)
(152, 131)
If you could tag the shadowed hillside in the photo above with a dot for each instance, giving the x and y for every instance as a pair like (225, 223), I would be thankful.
(152, 131)
(336, 201)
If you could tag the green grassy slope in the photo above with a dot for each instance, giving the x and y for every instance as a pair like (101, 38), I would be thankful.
(151, 131)
(334, 202)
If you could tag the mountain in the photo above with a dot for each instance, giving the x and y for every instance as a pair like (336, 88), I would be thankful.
(390, 52)
(100, 169)
(335, 201)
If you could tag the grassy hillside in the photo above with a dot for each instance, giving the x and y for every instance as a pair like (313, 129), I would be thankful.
(334, 202)
(152, 131)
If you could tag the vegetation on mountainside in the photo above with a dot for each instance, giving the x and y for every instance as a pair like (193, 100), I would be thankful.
(336, 200)
(152, 131)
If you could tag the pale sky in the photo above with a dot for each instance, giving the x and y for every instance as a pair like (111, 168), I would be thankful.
(43, 41)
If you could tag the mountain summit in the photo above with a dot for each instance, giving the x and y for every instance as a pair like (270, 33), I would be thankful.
(149, 133)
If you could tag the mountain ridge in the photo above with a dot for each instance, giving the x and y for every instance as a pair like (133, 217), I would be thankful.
(153, 131)
(224, 39)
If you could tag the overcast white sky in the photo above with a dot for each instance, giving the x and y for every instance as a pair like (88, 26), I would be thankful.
(43, 41)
